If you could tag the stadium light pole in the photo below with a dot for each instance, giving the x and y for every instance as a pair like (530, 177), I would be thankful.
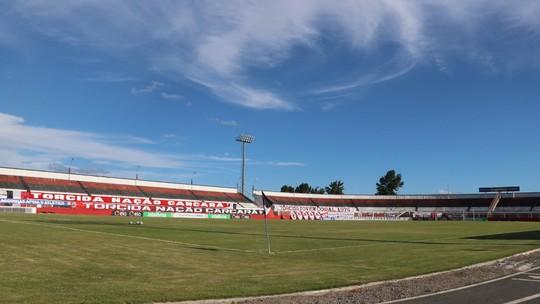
(244, 139)
(137, 174)
(69, 168)
(192, 176)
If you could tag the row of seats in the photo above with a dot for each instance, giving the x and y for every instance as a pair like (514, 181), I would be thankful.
(11, 182)
(414, 203)
(68, 186)
(43, 184)
(112, 189)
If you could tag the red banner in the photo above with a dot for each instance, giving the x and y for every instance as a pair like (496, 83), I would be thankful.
(96, 199)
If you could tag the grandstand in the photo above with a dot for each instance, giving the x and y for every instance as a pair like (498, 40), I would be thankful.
(511, 206)
(53, 192)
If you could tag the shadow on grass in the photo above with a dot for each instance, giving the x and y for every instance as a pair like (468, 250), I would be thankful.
(292, 236)
(524, 235)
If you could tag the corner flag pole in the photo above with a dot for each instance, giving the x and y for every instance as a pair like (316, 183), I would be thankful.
(265, 201)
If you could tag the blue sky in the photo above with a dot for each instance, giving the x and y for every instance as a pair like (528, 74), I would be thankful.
(444, 92)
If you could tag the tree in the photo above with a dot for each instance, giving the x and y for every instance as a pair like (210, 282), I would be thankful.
(335, 187)
(287, 188)
(317, 190)
(389, 184)
(303, 188)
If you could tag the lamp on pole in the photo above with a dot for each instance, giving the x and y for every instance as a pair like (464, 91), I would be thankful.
(69, 168)
(192, 176)
(244, 139)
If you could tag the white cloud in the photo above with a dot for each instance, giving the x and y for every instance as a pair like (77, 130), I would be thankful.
(330, 105)
(220, 158)
(169, 96)
(168, 136)
(154, 85)
(223, 122)
(61, 167)
(278, 163)
(444, 191)
(24, 145)
(27, 143)
(218, 44)
(246, 96)
(108, 77)
(392, 71)
(287, 164)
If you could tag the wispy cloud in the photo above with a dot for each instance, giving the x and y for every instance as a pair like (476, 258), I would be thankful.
(168, 136)
(24, 145)
(444, 191)
(287, 164)
(108, 77)
(278, 163)
(330, 105)
(154, 85)
(246, 96)
(219, 158)
(169, 96)
(49, 144)
(61, 167)
(382, 74)
(220, 44)
(224, 122)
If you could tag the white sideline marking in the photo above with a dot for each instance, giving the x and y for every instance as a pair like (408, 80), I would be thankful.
(463, 287)
(192, 245)
(524, 299)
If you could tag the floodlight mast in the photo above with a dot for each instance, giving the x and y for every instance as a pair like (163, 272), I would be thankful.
(69, 168)
(244, 139)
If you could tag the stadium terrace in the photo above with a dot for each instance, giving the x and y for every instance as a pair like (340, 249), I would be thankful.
(31, 191)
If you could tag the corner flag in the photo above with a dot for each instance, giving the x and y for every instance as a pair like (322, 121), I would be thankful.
(266, 201)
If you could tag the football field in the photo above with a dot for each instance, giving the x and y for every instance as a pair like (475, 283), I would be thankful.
(82, 259)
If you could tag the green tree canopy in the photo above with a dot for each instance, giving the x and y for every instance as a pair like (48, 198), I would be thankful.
(335, 187)
(303, 188)
(389, 184)
(317, 190)
(287, 188)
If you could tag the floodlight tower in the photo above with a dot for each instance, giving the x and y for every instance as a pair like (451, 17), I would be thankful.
(244, 139)
(69, 168)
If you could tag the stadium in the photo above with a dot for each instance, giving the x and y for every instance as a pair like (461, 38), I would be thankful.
(29, 191)
(269, 152)
(85, 226)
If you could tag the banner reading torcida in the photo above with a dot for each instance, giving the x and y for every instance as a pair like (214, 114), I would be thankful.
(95, 199)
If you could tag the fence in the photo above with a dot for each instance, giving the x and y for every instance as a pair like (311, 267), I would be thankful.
(12, 209)
(479, 216)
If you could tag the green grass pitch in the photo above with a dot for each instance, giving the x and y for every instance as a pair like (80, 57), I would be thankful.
(82, 259)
